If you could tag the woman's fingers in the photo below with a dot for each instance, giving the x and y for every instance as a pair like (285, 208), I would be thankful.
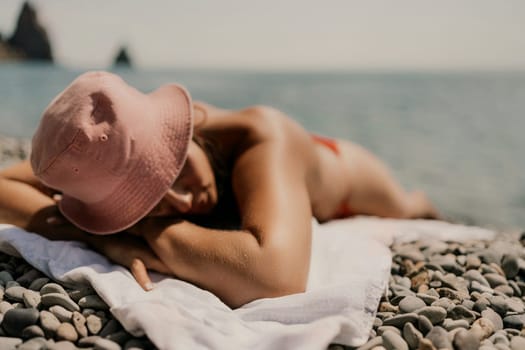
(139, 271)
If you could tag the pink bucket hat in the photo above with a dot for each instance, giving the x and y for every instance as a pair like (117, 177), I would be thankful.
(111, 150)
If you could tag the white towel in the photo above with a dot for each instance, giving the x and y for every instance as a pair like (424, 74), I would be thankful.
(349, 270)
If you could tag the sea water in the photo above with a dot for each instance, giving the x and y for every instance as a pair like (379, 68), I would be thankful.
(457, 136)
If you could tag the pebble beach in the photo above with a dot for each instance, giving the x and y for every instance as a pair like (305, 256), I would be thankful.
(441, 295)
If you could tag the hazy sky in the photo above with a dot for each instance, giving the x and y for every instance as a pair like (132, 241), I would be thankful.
(297, 34)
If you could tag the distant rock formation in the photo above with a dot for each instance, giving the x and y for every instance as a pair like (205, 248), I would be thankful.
(29, 40)
(122, 58)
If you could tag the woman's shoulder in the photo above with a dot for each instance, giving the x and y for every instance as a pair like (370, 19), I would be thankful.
(255, 122)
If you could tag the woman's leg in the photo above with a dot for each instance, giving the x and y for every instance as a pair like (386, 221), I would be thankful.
(374, 191)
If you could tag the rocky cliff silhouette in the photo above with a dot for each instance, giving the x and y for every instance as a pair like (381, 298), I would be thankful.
(29, 40)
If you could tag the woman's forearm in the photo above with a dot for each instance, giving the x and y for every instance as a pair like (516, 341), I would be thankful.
(231, 264)
(20, 201)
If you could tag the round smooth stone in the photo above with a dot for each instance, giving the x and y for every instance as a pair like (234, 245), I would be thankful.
(393, 341)
(15, 293)
(49, 322)
(88, 341)
(495, 279)
(411, 304)
(66, 331)
(49, 288)
(465, 340)
(509, 265)
(499, 304)
(439, 337)
(515, 305)
(31, 298)
(15, 320)
(460, 312)
(517, 343)
(81, 292)
(445, 303)
(61, 313)
(79, 321)
(106, 344)
(59, 299)
(383, 329)
(37, 343)
(475, 275)
(29, 277)
(450, 324)
(494, 317)
(514, 321)
(435, 314)
(94, 323)
(93, 301)
(32, 332)
(424, 324)
(412, 335)
(37, 284)
(5, 277)
(110, 327)
(63, 345)
(4, 306)
(428, 299)
(8, 343)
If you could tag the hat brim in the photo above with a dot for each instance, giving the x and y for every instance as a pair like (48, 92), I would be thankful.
(153, 173)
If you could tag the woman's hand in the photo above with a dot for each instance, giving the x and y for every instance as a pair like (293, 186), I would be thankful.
(133, 253)
(122, 248)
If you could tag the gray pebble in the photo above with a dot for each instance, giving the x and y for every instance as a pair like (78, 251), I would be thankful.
(475, 275)
(88, 341)
(94, 323)
(66, 331)
(49, 322)
(371, 343)
(515, 305)
(32, 332)
(504, 289)
(445, 303)
(435, 314)
(38, 283)
(62, 345)
(439, 337)
(49, 288)
(37, 343)
(81, 292)
(478, 287)
(450, 324)
(517, 343)
(31, 298)
(93, 301)
(61, 313)
(495, 279)
(499, 304)
(410, 304)
(5, 277)
(461, 312)
(15, 320)
(15, 293)
(428, 299)
(8, 343)
(399, 320)
(509, 265)
(106, 344)
(424, 324)
(494, 317)
(393, 341)
(383, 329)
(29, 277)
(466, 340)
(79, 321)
(110, 327)
(412, 335)
(59, 299)
(4, 306)
(514, 321)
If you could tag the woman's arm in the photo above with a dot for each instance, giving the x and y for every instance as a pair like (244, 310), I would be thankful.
(270, 255)
(26, 202)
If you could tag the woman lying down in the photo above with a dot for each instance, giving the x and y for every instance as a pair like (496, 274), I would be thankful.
(219, 198)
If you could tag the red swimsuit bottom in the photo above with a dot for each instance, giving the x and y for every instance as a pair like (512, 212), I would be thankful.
(344, 209)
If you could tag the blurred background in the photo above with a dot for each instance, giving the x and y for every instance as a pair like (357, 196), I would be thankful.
(436, 89)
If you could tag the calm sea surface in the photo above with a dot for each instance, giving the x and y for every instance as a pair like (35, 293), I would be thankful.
(457, 136)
